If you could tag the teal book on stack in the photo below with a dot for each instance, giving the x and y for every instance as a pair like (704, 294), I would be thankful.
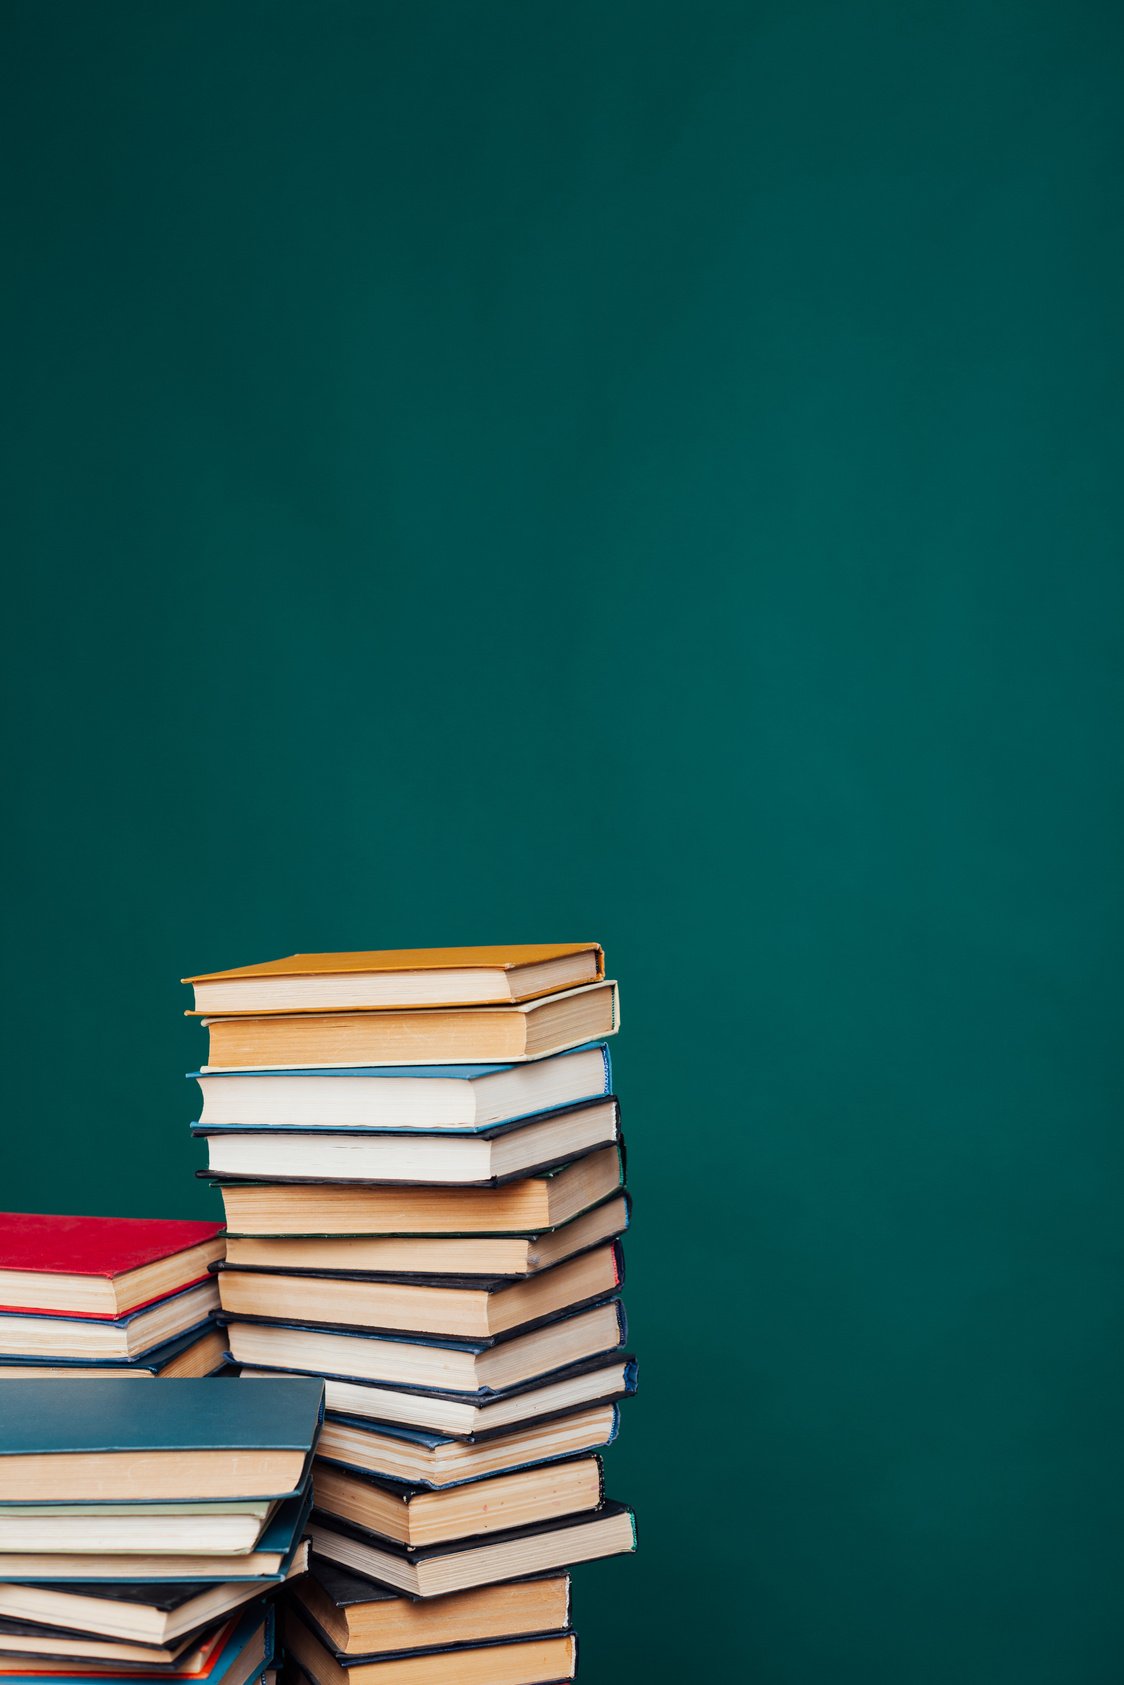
(420, 1157)
(146, 1530)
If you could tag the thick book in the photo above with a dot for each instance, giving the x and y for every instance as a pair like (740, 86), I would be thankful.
(200, 1351)
(246, 1647)
(159, 1613)
(460, 1309)
(73, 1441)
(475, 1035)
(438, 1569)
(273, 1558)
(32, 1640)
(460, 1098)
(525, 1206)
(400, 977)
(440, 1460)
(419, 1515)
(599, 1379)
(540, 1660)
(360, 1618)
(373, 1156)
(99, 1266)
(476, 1368)
(388, 1257)
(206, 1529)
(50, 1335)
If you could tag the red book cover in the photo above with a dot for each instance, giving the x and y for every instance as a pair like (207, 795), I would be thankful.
(99, 1246)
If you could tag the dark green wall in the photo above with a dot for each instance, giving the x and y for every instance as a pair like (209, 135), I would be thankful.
(651, 472)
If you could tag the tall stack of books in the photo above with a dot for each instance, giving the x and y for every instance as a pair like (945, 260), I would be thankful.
(420, 1157)
(104, 1296)
(144, 1538)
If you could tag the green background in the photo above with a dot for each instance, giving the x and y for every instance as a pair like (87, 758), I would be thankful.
(649, 472)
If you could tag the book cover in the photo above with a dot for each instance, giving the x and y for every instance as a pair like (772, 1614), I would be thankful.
(394, 977)
(100, 1246)
(103, 1415)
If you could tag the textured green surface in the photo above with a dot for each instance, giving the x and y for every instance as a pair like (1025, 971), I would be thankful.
(650, 472)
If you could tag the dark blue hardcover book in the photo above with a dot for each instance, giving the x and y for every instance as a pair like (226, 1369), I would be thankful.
(88, 1415)
(432, 1570)
(567, 1647)
(201, 1442)
(434, 1441)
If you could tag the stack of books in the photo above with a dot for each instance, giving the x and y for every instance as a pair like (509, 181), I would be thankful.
(104, 1296)
(145, 1538)
(420, 1157)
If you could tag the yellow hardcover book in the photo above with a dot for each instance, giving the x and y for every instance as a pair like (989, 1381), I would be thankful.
(400, 977)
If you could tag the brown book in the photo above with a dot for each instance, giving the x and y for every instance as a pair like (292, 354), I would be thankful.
(416, 1515)
(400, 977)
(541, 1660)
(474, 1035)
(459, 1255)
(457, 1311)
(527, 1206)
(360, 1618)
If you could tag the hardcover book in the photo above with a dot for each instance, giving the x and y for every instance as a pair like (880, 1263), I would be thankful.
(419, 1515)
(392, 1257)
(596, 1380)
(359, 1617)
(373, 1156)
(273, 1558)
(476, 1368)
(461, 1310)
(438, 1569)
(541, 1660)
(440, 1460)
(33, 1641)
(400, 977)
(525, 1206)
(51, 1335)
(72, 1441)
(476, 1035)
(99, 1266)
(147, 1612)
(246, 1648)
(459, 1098)
(197, 1352)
